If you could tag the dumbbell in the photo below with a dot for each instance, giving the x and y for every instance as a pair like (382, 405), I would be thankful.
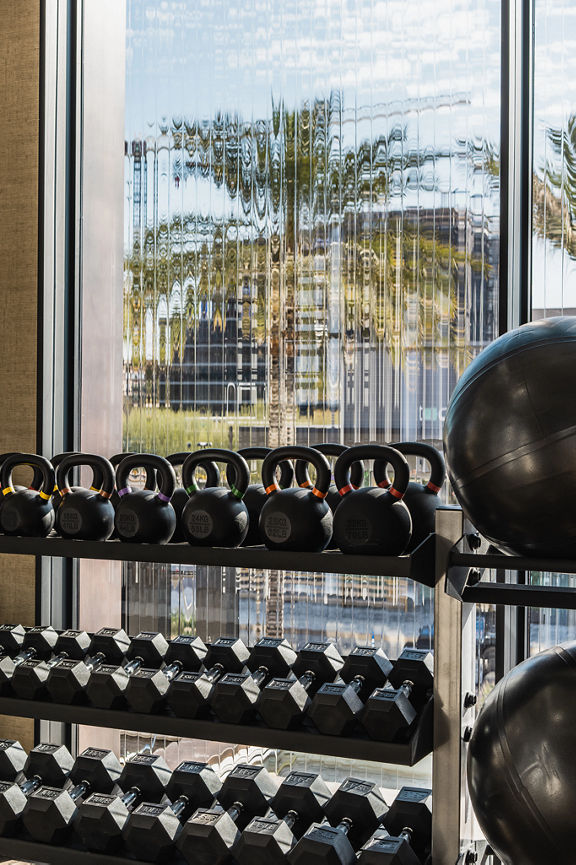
(11, 641)
(30, 678)
(12, 759)
(147, 687)
(210, 836)
(50, 811)
(282, 702)
(152, 829)
(235, 695)
(189, 693)
(353, 812)
(106, 687)
(67, 680)
(299, 802)
(390, 712)
(38, 642)
(46, 764)
(102, 817)
(407, 835)
(335, 708)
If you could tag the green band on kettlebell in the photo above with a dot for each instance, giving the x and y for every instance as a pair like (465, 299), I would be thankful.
(236, 492)
(192, 489)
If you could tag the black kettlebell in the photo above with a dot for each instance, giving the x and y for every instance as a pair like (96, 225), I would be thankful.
(145, 516)
(255, 495)
(180, 497)
(27, 512)
(296, 518)
(83, 513)
(372, 521)
(149, 484)
(215, 516)
(56, 460)
(330, 449)
(36, 482)
(422, 500)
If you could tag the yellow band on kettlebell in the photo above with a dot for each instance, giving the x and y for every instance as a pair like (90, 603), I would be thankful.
(45, 496)
(7, 490)
(55, 490)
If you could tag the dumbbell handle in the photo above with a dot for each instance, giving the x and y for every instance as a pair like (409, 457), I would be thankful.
(406, 834)
(406, 688)
(172, 670)
(357, 683)
(214, 673)
(260, 675)
(31, 784)
(344, 825)
(82, 789)
(290, 818)
(235, 810)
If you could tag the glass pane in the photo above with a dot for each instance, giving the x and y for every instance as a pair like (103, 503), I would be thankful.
(311, 233)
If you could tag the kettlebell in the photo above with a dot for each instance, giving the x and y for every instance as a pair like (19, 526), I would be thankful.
(83, 513)
(145, 516)
(330, 449)
(215, 516)
(180, 497)
(372, 521)
(56, 460)
(422, 500)
(36, 482)
(149, 484)
(255, 495)
(27, 512)
(296, 518)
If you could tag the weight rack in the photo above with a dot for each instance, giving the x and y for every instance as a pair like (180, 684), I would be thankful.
(441, 724)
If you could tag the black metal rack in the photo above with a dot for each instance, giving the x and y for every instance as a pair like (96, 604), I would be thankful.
(31, 851)
(304, 740)
(472, 555)
(418, 566)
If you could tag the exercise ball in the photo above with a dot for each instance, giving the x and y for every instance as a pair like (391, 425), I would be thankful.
(521, 766)
(510, 439)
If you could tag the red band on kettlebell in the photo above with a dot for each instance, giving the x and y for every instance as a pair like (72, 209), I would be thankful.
(273, 488)
(346, 489)
(317, 493)
(124, 490)
(163, 498)
(433, 487)
(395, 493)
(384, 484)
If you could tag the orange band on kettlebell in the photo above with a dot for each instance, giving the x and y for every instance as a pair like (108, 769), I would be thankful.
(46, 496)
(384, 484)
(273, 488)
(306, 484)
(104, 494)
(317, 493)
(433, 487)
(63, 492)
(347, 489)
(395, 493)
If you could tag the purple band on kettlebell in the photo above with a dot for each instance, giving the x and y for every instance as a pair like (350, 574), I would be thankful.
(123, 491)
(163, 497)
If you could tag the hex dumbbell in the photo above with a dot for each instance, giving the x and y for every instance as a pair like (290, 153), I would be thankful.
(147, 688)
(29, 680)
(407, 836)
(336, 707)
(211, 836)
(235, 695)
(353, 812)
(68, 679)
(189, 694)
(152, 830)
(390, 712)
(283, 701)
(45, 764)
(107, 685)
(299, 802)
(102, 818)
(12, 759)
(38, 643)
(50, 811)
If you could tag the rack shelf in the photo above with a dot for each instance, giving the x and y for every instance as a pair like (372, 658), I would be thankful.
(304, 740)
(30, 851)
(465, 568)
(418, 566)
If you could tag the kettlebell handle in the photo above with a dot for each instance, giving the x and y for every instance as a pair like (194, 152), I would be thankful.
(149, 483)
(374, 452)
(219, 455)
(260, 453)
(330, 449)
(37, 478)
(210, 467)
(102, 470)
(297, 452)
(418, 449)
(35, 461)
(165, 475)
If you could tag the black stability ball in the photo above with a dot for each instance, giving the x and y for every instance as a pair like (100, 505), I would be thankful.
(521, 766)
(510, 439)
